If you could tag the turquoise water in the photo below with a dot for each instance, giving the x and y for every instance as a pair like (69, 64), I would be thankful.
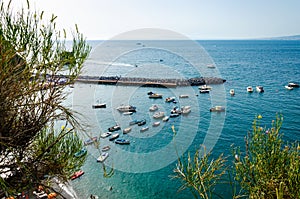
(143, 169)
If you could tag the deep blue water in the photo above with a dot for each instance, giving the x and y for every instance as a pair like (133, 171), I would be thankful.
(143, 169)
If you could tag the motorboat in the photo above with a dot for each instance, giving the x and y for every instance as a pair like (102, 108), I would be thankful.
(204, 87)
(142, 122)
(165, 119)
(122, 141)
(203, 91)
(144, 129)
(77, 174)
(102, 157)
(126, 108)
(185, 110)
(217, 109)
(289, 87)
(106, 148)
(183, 96)
(211, 66)
(127, 130)
(174, 115)
(249, 89)
(114, 128)
(154, 107)
(156, 123)
(101, 105)
(105, 134)
(158, 115)
(128, 113)
(90, 140)
(175, 110)
(260, 89)
(232, 93)
(170, 99)
(133, 122)
(114, 136)
(294, 85)
(155, 96)
(80, 153)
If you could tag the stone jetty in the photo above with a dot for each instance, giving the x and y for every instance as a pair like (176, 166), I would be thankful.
(150, 82)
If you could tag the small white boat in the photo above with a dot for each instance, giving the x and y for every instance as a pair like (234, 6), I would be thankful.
(126, 108)
(294, 85)
(204, 87)
(159, 115)
(170, 99)
(260, 89)
(217, 109)
(102, 157)
(114, 136)
(154, 107)
(165, 119)
(105, 134)
(289, 87)
(105, 148)
(204, 91)
(183, 96)
(185, 110)
(144, 129)
(232, 92)
(127, 130)
(249, 89)
(127, 113)
(156, 124)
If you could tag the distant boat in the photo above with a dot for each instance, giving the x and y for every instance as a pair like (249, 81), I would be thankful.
(127, 130)
(122, 141)
(154, 107)
(77, 174)
(105, 134)
(133, 122)
(155, 96)
(170, 99)
(289, 87)
(183, 96)
(102, 157)
(144, 129)
(158, 115)
(126, 108)
(232, 93)
(249, 89)
(174, 115)
(260, 89)
(165, 119)
(105, 148)
(294, 85)
(156, 124)
(185, 110)
(91, 140)
(114, 128)
(80, 153)
(217, 109)
(204, 91)
(114, 136)
(127, 113)
(102, 105)
(204, 87)
(211, 66)
(142, 122)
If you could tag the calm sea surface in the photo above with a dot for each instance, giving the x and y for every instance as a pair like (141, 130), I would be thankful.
(143, 168)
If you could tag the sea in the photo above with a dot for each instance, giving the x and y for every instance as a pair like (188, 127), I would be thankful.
(145, 168)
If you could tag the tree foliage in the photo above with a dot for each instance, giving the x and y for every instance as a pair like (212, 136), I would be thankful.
(36, 65)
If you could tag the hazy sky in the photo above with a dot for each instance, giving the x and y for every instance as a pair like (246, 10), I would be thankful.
(196, 19)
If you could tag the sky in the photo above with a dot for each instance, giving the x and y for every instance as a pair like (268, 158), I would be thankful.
(196, 19)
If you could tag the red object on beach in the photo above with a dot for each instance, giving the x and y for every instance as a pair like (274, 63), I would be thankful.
(77, 174)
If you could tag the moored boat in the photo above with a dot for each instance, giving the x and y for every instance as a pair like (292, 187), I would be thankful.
(260, 89)
(122, 141)
(80, 153)
(217, 109)
(102, 105)
(114, 128)
(142, 122)
(294, 85)
(144, 129)
(128, 113)
(90, 140)
(185, 110)
(114, 136)
(105, 148)
(77, 174)
(203, 91)
(126, 108)
(174, 115)
(105, 134)
(154, 107)
(102, 157)
(204, 87)
(127, 130)
(133, 122)
(249, 89)
(232, 93)
(289, 87)
(183, 96)
(165, 119)
(170, 99)
(155, 96)
(158, 115)
(156, 123)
